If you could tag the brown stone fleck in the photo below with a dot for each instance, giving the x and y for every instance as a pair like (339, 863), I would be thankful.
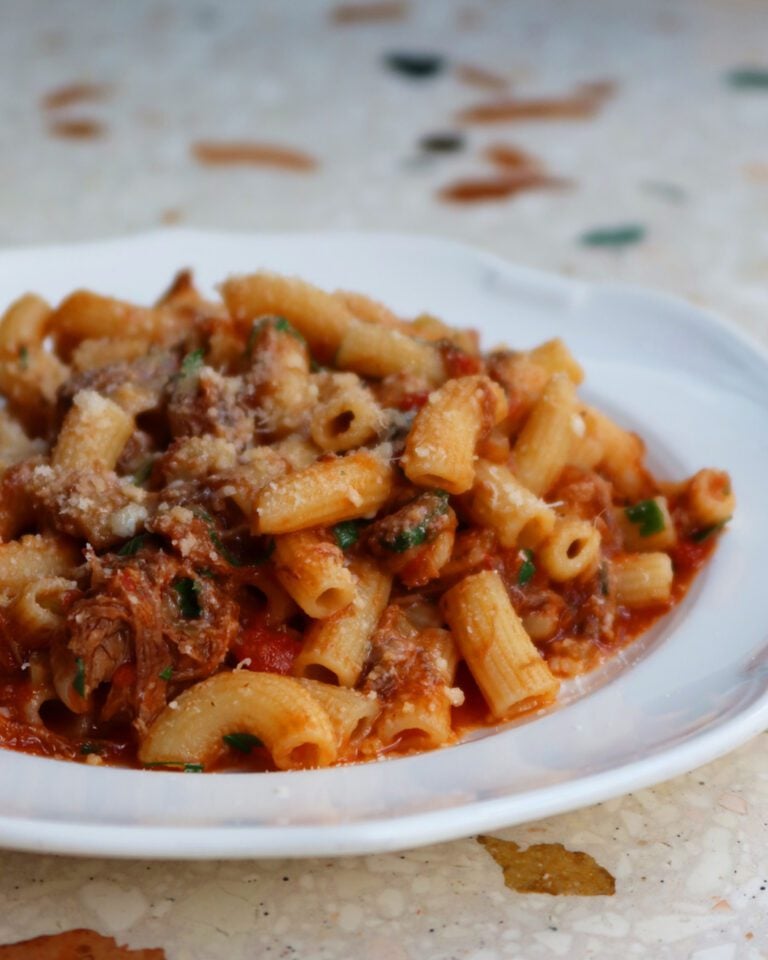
(225, 153)
(757, 172)
(549, 868)
(480, 77)
(170, 216)
(583, 103)
(77, 129)
(73, 93)
(384, 11)
(75, 945)
(508, 157)
(481, 189)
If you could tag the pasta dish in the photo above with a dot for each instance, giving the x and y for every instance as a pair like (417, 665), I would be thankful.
(290, 528)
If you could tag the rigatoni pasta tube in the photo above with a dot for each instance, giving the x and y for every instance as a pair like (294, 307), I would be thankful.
(622, 454)
(278, 382)
(377, 351)
(420, 713)
(23, 323)
(33, 557)
(710, 497)
(320, 317)
(544, 444)
(327, 491)
(84, 315)
(555, 357)
(93, 434)
(36, 614)
(501, 656)
(572, 550)
(288, 720)
(440, 449)
(351, 713)
(347, 415)
(642, 579)
(310, 567)
(335, 649)
(498, 500)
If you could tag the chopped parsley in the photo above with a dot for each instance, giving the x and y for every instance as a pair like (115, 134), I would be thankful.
(216, 540)
(88, 748)
(177, 764)
(283, 326)
(647, 516)
(131, 547)
(416, 535)
(527, 568)
(192, 363)
(79, 681)
(188, 595)
(232, 558)
(621, 236)
(278, 323)
(24, 357)
(244, 742)
(699, 536)
(166, 674)
(346, 534)
(143, 473)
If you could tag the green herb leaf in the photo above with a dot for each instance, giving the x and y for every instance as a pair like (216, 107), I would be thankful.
(79, 681)
(231, 559)
(166, 674)
(143, 473)
(192, 363)
(407, 539)
(131, 547)
(706, 532)
(88, 748)
(284, 326)
(621, 236)
(279, 323)
(188, 591)
(346, 534)
(415, 536)
(754, 78)
(244, 742)
(647, 516)
(177, 764)
(24, 357)
(527, 568)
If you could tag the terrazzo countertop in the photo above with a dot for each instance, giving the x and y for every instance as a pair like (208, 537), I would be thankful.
(668, 153)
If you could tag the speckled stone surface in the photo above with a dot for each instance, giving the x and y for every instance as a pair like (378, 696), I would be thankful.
(677, 151)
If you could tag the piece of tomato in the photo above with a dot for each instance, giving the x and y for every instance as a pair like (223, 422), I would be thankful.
(267, 649)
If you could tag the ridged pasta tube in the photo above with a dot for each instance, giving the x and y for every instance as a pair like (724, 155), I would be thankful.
(440, 449)
(499, 653)
(288, 720)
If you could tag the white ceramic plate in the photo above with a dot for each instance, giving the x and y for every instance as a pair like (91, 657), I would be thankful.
(691, 690)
